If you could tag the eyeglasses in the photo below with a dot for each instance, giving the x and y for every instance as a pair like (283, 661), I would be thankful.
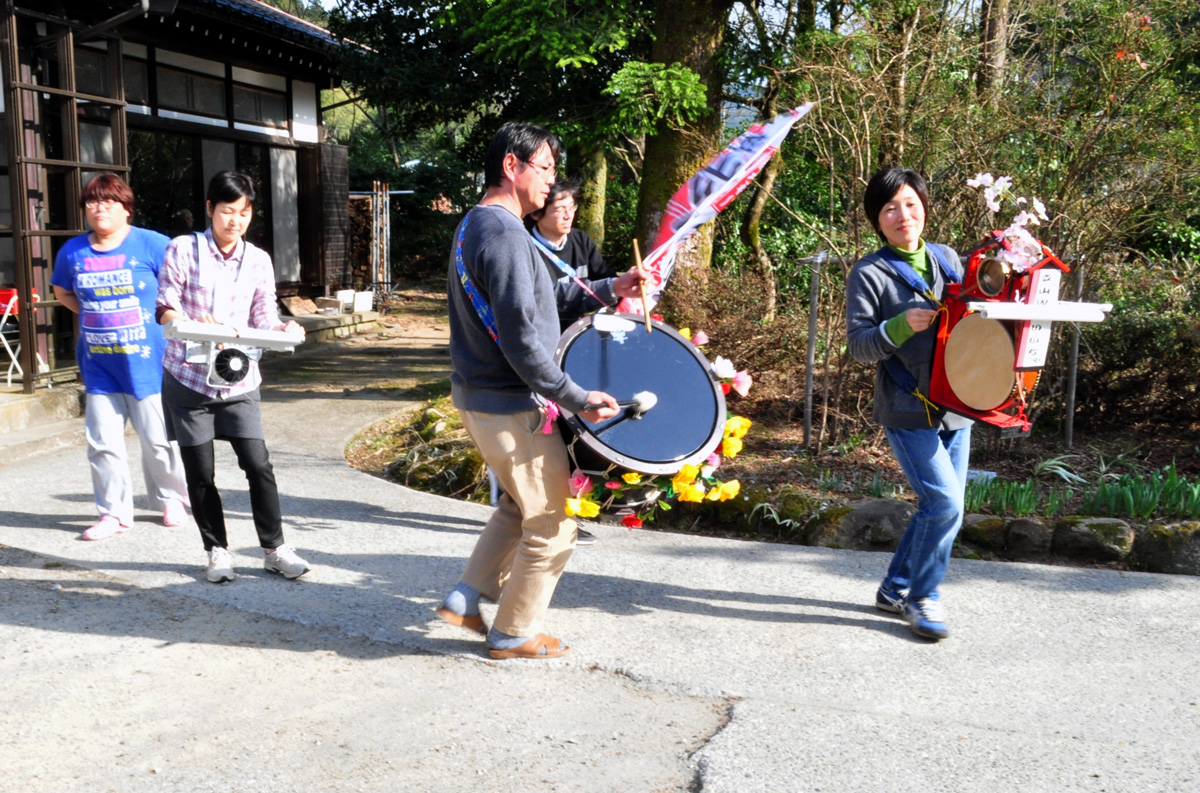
(544, 170)
(564, 211)
(106, 203)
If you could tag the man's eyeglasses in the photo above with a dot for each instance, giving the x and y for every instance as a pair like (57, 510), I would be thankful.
(544, 170)
(564, 211)
(106, 203)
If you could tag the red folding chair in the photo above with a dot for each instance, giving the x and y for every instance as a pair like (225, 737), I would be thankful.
(8, 299)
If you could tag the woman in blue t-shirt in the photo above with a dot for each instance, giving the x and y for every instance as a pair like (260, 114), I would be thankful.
(109, 277)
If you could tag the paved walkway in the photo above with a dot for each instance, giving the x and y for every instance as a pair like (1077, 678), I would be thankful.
(698, 664)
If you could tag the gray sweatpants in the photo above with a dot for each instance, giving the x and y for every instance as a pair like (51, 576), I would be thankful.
(161, 466)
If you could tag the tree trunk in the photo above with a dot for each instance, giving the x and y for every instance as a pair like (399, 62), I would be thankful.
(591, 167)
(751, 231)
(835, 9)
(688, 32)
(891, 150)
(993, 50)
(804, 24)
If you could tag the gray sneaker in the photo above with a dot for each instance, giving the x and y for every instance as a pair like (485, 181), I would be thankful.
(283, 560)
(220, 566)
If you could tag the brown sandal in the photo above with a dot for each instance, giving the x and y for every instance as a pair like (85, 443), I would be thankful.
(471, 622)
(540, 646)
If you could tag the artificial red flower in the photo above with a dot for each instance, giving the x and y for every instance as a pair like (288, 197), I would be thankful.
(631, 522)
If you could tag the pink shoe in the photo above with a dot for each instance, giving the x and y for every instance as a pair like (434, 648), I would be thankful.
(107, 526)
(175, 514)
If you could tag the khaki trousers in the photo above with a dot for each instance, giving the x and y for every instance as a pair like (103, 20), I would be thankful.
(526, 544)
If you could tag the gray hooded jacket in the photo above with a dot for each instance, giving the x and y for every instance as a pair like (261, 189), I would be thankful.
(876, 292)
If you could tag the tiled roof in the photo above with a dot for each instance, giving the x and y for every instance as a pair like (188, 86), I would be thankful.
(263, 16)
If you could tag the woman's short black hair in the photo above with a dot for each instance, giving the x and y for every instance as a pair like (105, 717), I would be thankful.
(883, 188)
(226, 187)
(563, 187)
(520, 139)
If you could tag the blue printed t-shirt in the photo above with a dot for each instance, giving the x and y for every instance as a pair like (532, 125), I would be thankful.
(120, 348)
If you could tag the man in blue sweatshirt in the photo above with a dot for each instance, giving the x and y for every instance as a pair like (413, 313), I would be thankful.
(503, 331)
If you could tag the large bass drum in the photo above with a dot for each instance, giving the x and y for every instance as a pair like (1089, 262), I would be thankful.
(614, 353)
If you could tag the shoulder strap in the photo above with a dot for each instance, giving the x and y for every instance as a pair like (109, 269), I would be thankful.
(567, 269)
(951, 274)
(910, 275)
(477, 302)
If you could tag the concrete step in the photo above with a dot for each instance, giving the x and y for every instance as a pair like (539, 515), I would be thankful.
(319, 328)
(20, 445)
(23, 411)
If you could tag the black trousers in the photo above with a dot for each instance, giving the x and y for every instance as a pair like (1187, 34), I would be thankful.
(199, 467)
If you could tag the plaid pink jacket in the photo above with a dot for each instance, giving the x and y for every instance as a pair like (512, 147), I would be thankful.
(238, 291)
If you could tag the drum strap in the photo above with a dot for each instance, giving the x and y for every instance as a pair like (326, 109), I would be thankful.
(892, 365)
(566, 268)
(477, 302)
(916, 282)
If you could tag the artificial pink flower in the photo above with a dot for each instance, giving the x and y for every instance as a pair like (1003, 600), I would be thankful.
(551, 417)
(742, 382)
(580, 483)
(700, 338)
(714, 460)
(611, 485)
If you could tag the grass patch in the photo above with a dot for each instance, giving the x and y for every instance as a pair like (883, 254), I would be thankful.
(427, 450)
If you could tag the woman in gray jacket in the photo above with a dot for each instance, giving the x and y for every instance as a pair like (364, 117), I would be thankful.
(892, 297)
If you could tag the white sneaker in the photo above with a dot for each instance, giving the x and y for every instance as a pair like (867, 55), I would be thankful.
(220, 565)
(174, 514)
(283, 560)
(104, 528)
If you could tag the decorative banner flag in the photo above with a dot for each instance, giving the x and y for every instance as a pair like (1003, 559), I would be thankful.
(707, 193)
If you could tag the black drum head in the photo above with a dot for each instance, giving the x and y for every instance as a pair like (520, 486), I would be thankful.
(614, 353)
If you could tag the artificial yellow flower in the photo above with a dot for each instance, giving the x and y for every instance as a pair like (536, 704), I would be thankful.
(713, 494)
(730, 446)
(730, 489)
(632, 478)
(686, 333)
(737, 426)
(685, 477)
(693, 492)
(582, 508)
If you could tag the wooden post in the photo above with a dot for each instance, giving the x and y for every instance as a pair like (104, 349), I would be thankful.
(1073, 367)
(814, 297)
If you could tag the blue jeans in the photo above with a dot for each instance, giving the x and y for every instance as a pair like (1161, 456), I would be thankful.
(935, 463)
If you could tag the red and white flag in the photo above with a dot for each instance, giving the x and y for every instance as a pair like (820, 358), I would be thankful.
(707, 193)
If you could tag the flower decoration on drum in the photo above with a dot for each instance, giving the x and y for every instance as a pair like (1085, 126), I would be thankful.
(582, 508)
(731, 378)
(640, 496)
(1021, 250)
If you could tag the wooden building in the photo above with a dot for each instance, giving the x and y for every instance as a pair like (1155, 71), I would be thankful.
(167, 93)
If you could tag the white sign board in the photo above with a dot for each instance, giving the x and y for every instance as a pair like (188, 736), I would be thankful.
(1034, 338)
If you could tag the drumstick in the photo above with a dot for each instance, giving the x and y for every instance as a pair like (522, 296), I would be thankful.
(642, 401)
(637, 260)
